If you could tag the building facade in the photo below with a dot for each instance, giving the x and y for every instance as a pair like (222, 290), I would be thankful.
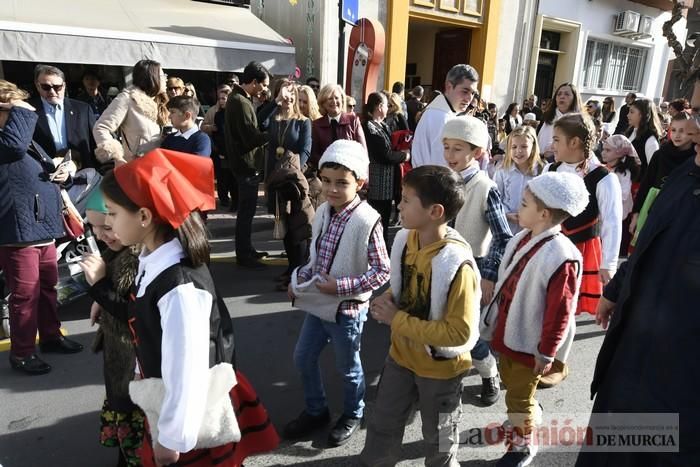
(604, 47)
(424, 38)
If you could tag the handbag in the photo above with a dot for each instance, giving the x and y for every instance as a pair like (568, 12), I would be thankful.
(401, 140)
(72, 221)
(219, 424)
(280, 228)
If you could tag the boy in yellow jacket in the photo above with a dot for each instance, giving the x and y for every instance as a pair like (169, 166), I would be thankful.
(433, 310)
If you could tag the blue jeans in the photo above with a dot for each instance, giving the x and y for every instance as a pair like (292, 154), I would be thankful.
(481, 350)
(345, 336)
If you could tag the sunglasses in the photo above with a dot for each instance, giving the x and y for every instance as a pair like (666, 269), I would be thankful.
(175, 88)
(49, 87)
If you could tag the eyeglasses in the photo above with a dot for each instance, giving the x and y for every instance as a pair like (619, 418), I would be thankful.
(49, 87)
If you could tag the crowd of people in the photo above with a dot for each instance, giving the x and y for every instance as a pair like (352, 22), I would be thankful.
(510, 227)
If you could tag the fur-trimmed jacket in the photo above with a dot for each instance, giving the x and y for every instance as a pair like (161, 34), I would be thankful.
(113, 337)
(132, 116)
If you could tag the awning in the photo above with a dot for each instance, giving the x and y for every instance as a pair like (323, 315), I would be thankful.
(181, 34)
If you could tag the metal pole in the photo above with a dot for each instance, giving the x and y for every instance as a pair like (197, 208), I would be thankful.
(341, 45)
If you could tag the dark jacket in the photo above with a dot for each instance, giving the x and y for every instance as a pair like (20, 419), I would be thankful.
(80, 120)
(667, 159)
(382, 161)
(294, 135)
(413, 106)
(322, 134)
(622, 123)
(243, 138)
(30, 211)
(652, 335)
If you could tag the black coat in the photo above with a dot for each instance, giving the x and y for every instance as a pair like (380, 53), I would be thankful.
(648, 361)
(80, 120)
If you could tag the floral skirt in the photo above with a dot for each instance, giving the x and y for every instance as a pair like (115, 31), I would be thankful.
(123, 430)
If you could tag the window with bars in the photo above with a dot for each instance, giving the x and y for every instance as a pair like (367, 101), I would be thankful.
(613, 67)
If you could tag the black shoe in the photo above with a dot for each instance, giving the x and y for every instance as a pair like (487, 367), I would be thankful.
(250, 263)
(515, 459)
(31, 365)
(224, 203)
(305, 424)
(343, 430)
(260, 254)
(490, 391)
(60, 345)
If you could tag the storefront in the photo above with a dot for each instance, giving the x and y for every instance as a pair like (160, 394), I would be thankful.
(180, 34)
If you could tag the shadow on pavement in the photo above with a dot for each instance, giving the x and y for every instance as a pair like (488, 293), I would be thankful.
(48, 444)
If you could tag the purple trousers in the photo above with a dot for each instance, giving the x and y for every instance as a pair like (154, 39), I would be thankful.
(31, 274)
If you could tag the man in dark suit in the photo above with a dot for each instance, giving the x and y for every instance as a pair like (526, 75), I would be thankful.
(64, 123)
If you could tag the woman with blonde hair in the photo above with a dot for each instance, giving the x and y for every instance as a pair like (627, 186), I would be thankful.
(308, 103)
(289, 131)
(31, 220)
(334, 124)
(136, 115)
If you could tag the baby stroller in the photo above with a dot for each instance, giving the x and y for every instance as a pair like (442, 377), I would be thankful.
(71, 284)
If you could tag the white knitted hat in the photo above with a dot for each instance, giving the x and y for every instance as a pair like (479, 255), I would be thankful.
(467, 128)
(563, 191)
(350, 154)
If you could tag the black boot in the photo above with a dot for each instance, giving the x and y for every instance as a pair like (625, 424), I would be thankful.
(305, 424)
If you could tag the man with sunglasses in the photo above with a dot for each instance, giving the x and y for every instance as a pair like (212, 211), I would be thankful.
(64, 123)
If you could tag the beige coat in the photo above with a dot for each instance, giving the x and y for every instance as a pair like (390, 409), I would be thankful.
(131, 115)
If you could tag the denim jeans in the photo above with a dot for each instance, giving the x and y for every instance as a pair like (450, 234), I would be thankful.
(481, 350)
(345, 336)
(247, 204)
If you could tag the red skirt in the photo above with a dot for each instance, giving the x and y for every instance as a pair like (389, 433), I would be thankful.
(591, 286)
(258, 435)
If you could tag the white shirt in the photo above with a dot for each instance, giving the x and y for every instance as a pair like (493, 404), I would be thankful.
(544, 137)
(184, 319)
(650, 146)
(188, 133)
(609, 195)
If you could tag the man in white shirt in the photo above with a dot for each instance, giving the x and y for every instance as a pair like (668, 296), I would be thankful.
(460, 88)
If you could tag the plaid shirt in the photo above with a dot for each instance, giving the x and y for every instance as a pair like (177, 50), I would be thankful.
(377, 257)
(498, 224)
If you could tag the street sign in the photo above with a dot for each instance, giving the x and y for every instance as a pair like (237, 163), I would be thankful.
(350, 11)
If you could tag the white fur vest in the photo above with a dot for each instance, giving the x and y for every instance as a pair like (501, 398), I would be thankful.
(471, 219)
(349, 259)
(523, 327)
(444, 265)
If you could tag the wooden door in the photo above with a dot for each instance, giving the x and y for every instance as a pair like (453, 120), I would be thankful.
(451, 48)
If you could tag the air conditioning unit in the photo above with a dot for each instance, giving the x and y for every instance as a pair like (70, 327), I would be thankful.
(644, 31)
(627, 23)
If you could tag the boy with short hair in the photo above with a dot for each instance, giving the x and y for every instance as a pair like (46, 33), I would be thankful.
(433, 311)
(188, 137)
(483, 224)
(530, 320)
(348, 260)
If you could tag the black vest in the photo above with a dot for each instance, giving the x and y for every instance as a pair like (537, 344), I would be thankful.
(144, 318)
(639, 144)
(585, 226)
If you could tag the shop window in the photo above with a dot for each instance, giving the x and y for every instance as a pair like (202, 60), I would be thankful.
(612, 66)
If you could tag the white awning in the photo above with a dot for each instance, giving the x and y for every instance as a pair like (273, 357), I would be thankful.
(181, 34)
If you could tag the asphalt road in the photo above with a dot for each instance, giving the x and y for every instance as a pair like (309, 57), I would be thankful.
(53, 420)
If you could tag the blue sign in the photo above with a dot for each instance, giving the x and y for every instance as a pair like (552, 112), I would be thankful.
(350, 11)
